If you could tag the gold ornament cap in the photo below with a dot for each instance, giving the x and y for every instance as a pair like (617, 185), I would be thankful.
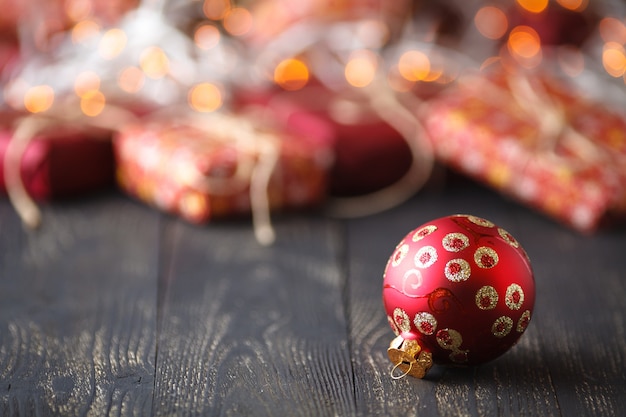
(408, 356)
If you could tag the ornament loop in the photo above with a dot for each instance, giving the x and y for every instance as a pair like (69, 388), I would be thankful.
(405, 373)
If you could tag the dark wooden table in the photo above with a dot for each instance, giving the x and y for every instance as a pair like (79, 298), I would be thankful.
(112, 308)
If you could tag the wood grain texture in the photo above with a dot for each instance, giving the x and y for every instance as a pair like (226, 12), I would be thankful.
(78, 310)
(570, 360)
(248, 330)
(582, 287)
(114, 309)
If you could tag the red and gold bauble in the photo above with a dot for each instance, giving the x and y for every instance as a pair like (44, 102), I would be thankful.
(458, 290)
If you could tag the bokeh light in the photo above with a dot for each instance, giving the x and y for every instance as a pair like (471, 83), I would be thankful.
(205, 97)
(84, 30)
(154, 63)
(533, 6)
(206, 37)
(238, 21)
(612, 30)
(524, 45)
(112, 43)
(92, 103)
(77, 10)
(574, 5)
(86, 81)
(361, 68)
(39, 98)
(491, 22)
(414, 65)
(614, 59)
(524, 41)
(291, 74)
(215, 9)
(131, 79)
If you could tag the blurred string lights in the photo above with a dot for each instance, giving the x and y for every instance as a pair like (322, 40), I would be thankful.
(100, 62)
(150, 54)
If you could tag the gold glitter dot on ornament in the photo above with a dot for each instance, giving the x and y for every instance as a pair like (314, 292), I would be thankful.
(423, 232)
(449, 339)
(485, 257)
(425, 257)
(487, 298)
(480, 221)
(514, 297)
(502, 326)
(399, 255)
(508, 238)
(523, 321)
(455, 242)
(457, 270)
(425, 322)
(401, 319)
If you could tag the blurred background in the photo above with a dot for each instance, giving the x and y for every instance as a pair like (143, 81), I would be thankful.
(215, 108)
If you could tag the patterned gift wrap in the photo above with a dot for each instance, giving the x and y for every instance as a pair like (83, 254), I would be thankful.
(369, 153)
(208, 170)
(533, 140)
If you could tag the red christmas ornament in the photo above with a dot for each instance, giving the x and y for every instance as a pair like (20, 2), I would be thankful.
(457, 290)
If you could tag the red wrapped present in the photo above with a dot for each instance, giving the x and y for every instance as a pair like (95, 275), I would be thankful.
(62, 163)
(220, 166)
(538, 142)
(369, 153)
(9, 53)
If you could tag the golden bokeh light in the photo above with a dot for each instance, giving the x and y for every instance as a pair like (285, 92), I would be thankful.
(533, 6)
(86, 81)
(524, 45)
(206, 37)
(614, 59)
(131, 79)
(112, 43)
(77, 10)
(361, 68)
(574, 5)
(154, 63)
(524, 41)
(491, 22)
(216, 9)
(92, 103)
(414, 65)
(84, 30)
(39, 98)
(238, 21)
(612, 30)
(291, 74)
(205, 97)
(435, 74)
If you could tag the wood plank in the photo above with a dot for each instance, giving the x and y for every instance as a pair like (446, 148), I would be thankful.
(582, 285)
(251, 330)
(78, 309)
(570, 360)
